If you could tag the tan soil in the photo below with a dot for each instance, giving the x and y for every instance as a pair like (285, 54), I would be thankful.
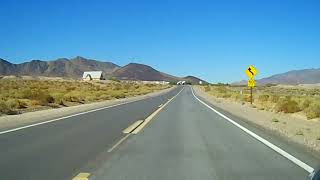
(294, 126)
(14, 121)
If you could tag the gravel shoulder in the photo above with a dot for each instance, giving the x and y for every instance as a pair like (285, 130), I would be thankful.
(292, 126)
(14, 121)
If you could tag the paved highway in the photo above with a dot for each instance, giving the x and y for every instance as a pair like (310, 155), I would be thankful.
(180, 139)
(187, 140)
(59, 150)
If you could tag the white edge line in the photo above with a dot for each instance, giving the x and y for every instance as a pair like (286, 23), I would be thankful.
(69, 116)
(259, 138)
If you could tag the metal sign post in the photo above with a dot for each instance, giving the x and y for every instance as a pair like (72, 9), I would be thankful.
(251, 95)
(251, 72)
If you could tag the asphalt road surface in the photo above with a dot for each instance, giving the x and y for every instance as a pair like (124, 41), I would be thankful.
(59, 150)
(185, 140)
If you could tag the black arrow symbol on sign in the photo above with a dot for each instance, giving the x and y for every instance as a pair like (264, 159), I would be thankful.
(250, 71)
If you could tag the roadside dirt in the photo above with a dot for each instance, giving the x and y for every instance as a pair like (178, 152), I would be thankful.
(14, 121)
(293, 126)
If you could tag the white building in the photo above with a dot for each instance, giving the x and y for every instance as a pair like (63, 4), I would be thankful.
(155, 82)
(92, 75)
(146, 82)
(181, 82)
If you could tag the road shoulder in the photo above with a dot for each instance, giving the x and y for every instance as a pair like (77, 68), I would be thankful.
(14, 121)
(255, 122)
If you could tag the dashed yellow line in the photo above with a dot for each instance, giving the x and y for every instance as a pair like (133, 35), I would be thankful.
(119, 142)
(132, 127)
(149, 118)
(82, 176)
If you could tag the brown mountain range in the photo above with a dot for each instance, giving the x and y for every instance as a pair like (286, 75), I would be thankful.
(294, 77)
(74, 68)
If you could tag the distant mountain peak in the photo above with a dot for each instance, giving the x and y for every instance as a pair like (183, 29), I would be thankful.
(61, 67)
(62, 59)
(136, 71)
(4, 61)
(293, 77)
(132, 64)
(79, 58)
(194, 80)
(74, 68)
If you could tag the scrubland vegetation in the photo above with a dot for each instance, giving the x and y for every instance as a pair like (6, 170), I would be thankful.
(18, 96)
(272, 98)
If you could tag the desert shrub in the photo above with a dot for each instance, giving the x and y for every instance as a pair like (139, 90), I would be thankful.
(25, 94)
(4, 109)
(105, 97)
(313, 111)
(299, 133)
(236, 96)
(35, 103)
(17, 94)
(275, 120)
(74, 96)
(49, 99)
(287, 106)
(263, 97)
(15, 104)
(274, 98)
(90, 98)
(126, 86)
(207, 88)
(3, 106)
(136, 86)
(222, 89)
(54, 105)
(70, 88)
(246, 98)
(305, 104)
(116, 87)
(57, 97)
(22, 104)
(226, 95)
(117, 94)
(78, 99)
(12, 103)
(43, 97)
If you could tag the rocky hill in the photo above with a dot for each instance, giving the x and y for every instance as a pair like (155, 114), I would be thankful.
(294, 77)
(63, 67)
(74, 68)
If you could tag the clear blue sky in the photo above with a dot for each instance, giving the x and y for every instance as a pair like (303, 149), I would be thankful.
(215, 40)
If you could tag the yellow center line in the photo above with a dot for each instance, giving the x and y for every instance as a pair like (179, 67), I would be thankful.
(82, 176)
(149, 118)
(119, 142)
(132, 127)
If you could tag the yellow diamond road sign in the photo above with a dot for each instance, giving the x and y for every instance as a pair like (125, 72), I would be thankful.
(251, 83)
(251, 71)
